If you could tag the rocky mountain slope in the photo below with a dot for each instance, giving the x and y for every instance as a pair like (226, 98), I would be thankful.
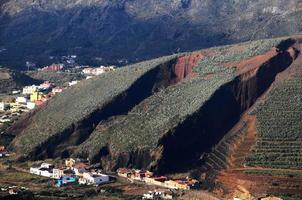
(112, 31)
(163, 114)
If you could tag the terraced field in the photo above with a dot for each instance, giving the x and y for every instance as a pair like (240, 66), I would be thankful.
(221, 155)
(280, 128)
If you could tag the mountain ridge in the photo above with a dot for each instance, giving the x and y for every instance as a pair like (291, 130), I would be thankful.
(116, 31)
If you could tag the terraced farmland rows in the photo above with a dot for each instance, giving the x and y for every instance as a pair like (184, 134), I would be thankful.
(280, 128)
(222, 155)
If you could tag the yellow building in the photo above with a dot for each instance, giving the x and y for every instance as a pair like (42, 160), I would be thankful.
(70, 163)
(35, 96)
(176, 185)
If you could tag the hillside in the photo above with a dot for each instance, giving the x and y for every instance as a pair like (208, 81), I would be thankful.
(57, 78)
(263, 148)
(279, 126)
(12, 80)
(106, 31)
(143, 115)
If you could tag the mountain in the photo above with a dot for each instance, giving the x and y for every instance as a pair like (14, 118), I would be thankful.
(106, 31)
(142, 114)
(229, 114)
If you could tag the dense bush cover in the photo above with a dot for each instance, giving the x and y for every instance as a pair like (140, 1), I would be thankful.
(74, 104)
(279, 125)
(144, 125)
(165, 110)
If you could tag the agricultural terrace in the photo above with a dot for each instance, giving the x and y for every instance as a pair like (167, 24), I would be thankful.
(151, 119)
(279, 124)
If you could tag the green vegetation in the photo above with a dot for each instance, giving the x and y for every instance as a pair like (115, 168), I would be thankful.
(11, 80)
(286, 196)
(274, 172)
(143, 126)
(76, 103)
(57, 78)
(279, 125)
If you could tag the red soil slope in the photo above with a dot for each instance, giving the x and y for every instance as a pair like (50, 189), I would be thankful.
(185, 64)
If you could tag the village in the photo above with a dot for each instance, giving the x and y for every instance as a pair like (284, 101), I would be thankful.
(78, 171)
(31, 97)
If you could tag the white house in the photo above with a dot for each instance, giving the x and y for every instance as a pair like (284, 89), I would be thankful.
(35, 170)
(4, 120)
(88, 70)
(30, 89)
(158, 195)
(93, 178)
(47, 165)
(16, 91)
(47, 173)
(57, 173)
(57, 90)
(72, 83)
(80, 168)
(3, 106)
(99, 71)
(22, 100)
(30, 105)
(45, 170)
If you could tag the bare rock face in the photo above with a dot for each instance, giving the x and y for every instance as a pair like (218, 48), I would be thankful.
(113, 31)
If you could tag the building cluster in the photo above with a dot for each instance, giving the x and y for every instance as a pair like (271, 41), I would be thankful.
(260, 198)
(75, 171)
(53, 68)
(158, 194)
(13, 190)
(161, 181)
(90, 72)
(26, 99)
(4, 152)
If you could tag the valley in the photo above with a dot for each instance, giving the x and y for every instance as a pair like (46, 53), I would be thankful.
(208, 115)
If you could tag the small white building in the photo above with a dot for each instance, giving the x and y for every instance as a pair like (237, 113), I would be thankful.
(158, 195)
(93, 179)
(99, 71)
(80, 168)
(45, 86)
(72, 83)
(30, 89)
(3, 106)
(5, 120)
(57, 173)
(47, 173)
(57, 90)
(21, 100)
(16, 91)
(31, 105)
(88, 70)
(45, 170)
